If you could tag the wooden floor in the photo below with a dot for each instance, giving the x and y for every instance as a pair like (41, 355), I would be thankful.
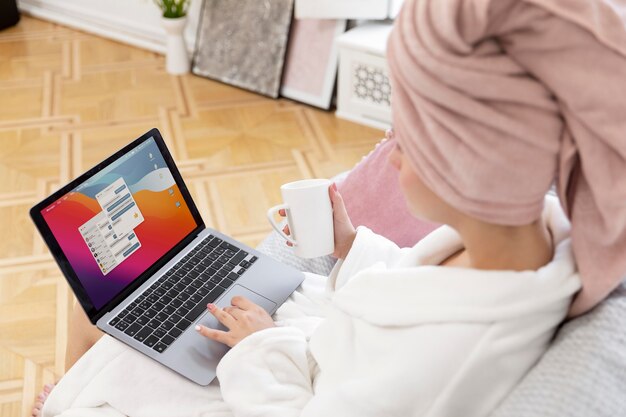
(69, 99)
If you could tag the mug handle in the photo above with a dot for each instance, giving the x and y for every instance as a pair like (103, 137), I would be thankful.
(270, 216)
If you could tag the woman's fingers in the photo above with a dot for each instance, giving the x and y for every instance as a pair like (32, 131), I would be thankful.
(335, 197)
(287, 231)
(282, 213)
(222, 316)
(332, 193)
(213, 334)
(234, 311)
(339, 209)
(344, 230)
(242, 303)
(340, 213)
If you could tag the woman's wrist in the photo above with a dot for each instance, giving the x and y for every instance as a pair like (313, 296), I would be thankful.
(348, 245)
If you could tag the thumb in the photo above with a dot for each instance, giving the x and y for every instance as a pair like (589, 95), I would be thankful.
(337, 200)
(335, 197)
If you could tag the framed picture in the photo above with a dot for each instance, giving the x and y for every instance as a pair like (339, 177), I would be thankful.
(311, 64)
(243, 43)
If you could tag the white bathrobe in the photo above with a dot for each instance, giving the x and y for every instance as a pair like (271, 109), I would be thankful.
(389, 333)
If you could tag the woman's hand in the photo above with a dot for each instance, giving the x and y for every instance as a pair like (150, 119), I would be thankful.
(242, 319)
(344, 230)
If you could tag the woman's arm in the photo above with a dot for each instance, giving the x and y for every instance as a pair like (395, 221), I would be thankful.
(268, 374)
(369, 371)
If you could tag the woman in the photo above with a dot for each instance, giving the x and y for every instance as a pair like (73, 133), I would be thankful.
(486, 120)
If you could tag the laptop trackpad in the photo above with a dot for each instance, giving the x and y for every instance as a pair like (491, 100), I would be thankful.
(267, 305)
(201, 355)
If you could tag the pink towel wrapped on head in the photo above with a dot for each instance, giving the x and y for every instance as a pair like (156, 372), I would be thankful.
(495, 100)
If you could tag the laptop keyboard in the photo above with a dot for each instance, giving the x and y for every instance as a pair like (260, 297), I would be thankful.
(168, 307)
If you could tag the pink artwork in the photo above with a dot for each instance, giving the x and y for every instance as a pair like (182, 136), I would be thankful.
(311, 62)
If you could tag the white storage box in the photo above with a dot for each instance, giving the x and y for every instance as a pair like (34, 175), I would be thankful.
(363, 88)
(394, 8)
(347, 9)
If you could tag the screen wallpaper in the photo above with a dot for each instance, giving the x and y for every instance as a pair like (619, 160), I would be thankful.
(119, 222)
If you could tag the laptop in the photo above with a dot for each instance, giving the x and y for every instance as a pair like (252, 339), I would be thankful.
(135, 251)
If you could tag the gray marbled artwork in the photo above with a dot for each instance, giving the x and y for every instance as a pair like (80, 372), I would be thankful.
(243, 43)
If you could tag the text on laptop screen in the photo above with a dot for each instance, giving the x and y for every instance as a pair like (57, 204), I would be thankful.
(119, 222)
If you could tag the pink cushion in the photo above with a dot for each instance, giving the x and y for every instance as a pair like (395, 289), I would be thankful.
(373, 199)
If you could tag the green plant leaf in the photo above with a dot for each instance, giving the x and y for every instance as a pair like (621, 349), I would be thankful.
(173, 8)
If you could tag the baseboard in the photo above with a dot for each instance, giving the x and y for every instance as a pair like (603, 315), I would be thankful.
(367, 121)
(146, 35)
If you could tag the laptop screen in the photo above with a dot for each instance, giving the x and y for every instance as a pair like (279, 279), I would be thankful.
(119, 222)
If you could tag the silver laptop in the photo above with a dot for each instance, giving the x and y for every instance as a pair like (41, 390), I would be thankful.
(135, 251)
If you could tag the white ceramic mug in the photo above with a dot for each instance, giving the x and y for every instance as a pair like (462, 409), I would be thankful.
(309, 215)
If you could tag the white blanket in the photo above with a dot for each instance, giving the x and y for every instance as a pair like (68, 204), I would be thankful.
(380, 337)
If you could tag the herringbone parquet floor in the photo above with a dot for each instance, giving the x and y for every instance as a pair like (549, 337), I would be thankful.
(69, 99)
